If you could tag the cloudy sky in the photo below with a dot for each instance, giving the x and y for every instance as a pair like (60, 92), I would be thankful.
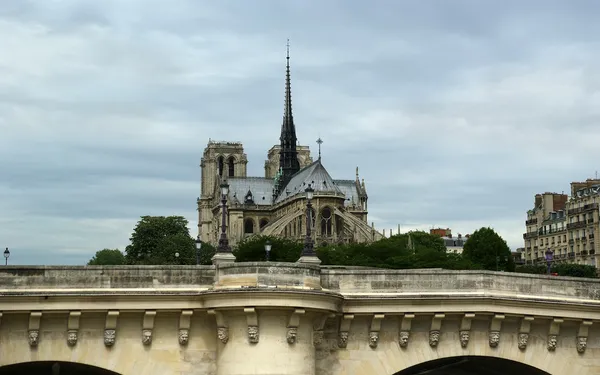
(456, 112)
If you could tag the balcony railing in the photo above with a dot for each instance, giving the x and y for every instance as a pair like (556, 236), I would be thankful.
(576, 225)
(529, 235)
(592, 252)
(530, 221)
(571, 255)
(584, 252)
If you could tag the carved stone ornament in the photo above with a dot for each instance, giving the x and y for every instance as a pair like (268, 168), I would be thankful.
(434, 338)
(292, 333)
(552, 340)
(464, 338)
(343, 339)
(223, 334)
(184, 336)
(146, 336)
(34, 337)
(253, 334)
(318, 337)
(494, 339)
(72, 337)
(581, 344)
(110, 336)
(522, 341)
(403, 338)
(373, 339)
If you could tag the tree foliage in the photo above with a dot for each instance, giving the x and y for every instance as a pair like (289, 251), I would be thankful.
(157, 240)
(252, 249)
(107, 257)
(561, 269)
(486, 248)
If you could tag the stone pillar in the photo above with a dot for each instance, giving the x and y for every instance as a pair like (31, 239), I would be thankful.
(266, 348)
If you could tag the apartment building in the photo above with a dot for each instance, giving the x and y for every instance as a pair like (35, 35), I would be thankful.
(565, 225)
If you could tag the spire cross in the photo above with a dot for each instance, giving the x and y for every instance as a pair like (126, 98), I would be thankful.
(319, 142)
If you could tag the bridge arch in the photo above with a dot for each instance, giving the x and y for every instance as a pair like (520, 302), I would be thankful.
(54, 368)
(472, 365)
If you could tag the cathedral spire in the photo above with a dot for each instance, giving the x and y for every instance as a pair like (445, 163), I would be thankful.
(288, 155)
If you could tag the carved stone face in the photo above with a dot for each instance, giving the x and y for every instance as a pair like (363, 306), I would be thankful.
(373, 339)
(494, 338)
(522, 342)
(464, 338)
(434, 338)
(183, 336)
(146, 336)
(223, 334)
(581, 344)
(552, 341)
(34, 337)
(403, 338)
(292, 332)
(343, 339)
(253, 334)
(72, 337)
(109, 337)
(318, 337)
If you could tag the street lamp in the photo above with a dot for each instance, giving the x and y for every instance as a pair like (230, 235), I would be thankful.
(549, 257)
(176, 258)
(268, 249)
(308, 250)
(223, 241)
(198, 247)
(6, 255)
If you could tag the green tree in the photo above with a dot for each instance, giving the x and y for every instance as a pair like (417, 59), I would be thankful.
(423, 240)
(252, 249)
(157, 240)
(486, 248)
(107, 257)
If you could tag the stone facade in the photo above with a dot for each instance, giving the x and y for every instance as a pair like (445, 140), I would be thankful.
(290, 318)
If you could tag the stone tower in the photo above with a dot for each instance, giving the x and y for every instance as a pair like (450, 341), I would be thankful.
(219, 161)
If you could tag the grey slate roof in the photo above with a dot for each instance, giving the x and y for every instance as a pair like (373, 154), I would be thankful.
(261, 188)
(348, 187)
(314, 174)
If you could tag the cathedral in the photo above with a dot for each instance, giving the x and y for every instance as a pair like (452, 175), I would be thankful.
(275, 205)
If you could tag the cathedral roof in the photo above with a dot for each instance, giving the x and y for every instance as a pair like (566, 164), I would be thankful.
(314, 174)
(350, 190)
(261, 189)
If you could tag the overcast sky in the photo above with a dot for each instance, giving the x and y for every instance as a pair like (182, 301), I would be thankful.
(456, 112)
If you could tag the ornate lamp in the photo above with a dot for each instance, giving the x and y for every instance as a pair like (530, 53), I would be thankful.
(6, 256)
(223, 241)
(268, 249)
(308, 250)
(198, 247)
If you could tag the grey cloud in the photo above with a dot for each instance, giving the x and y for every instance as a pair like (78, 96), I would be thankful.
(455, 112)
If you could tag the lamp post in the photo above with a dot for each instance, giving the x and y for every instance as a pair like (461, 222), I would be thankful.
(549, 257)
(177, 258)
(198, 247)
(268, 249)
(308, 250)
(6, 255)
(223, 241)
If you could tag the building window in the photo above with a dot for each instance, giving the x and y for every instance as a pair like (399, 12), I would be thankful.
(231, 166)
(220, 165)
(262, 223)
(249, 226)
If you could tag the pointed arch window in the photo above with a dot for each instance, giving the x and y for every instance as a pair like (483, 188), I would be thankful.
(326, 221)
(262, 223)
(231, 163)
(220, 165)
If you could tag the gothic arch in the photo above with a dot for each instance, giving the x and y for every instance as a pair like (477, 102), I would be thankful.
(220, 165)
(231, 166)
(326, 221)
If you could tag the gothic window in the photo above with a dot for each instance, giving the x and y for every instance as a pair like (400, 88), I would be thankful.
(220, 164)
(231, 163)
(249, 226)
(262, 223)
(326, 222)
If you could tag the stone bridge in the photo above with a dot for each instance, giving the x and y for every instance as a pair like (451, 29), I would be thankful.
(291, 318)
